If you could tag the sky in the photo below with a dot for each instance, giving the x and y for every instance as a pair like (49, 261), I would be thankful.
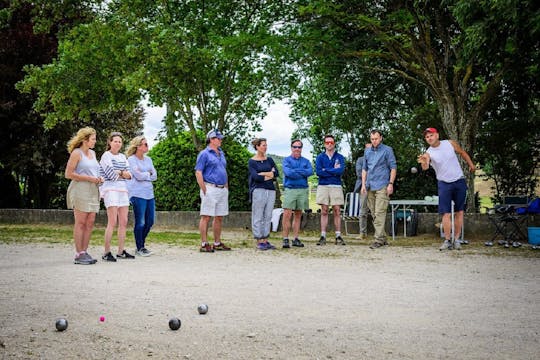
(277, 128)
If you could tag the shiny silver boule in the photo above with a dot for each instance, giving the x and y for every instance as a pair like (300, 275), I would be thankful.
(61, 324)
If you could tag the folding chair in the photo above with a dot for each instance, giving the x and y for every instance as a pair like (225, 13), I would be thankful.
(507, 225)
(351, 211)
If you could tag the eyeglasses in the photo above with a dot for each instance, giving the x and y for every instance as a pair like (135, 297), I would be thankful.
(328, 142)
(296, 147)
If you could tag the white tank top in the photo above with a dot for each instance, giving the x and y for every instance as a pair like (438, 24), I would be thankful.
(87, 166)
(445, 162)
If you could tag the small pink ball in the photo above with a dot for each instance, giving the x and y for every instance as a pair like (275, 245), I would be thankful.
(102, 318)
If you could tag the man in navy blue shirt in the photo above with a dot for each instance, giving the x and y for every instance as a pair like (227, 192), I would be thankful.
(378, 176)
(211, 174)
(330, 166)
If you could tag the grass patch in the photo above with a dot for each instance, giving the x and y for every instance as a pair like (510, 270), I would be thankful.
(239, 238)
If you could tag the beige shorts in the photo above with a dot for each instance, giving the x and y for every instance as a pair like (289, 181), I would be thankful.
(329, 195)
(83, 196)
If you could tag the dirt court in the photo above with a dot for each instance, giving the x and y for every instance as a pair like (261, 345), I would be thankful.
(313, 303)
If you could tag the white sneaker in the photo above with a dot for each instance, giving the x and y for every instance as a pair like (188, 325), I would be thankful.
(457, 245)
(446, 245)
(144, 252)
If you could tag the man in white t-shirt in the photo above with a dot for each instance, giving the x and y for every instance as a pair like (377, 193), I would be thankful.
(451, 183)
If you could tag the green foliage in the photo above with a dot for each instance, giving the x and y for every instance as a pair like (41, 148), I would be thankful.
(176, 187)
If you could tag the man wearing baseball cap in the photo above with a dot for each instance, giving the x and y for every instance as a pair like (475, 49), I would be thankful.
(441, 155)
(211, 174)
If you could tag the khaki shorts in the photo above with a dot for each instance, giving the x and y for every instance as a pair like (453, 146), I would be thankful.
(329, 195)
(83, 196)
(296, 199)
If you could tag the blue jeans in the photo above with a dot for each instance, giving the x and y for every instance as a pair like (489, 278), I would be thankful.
(144, 211)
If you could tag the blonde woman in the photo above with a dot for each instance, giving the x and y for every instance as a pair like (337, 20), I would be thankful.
(83, 195)
(115, 170)
(141, 191)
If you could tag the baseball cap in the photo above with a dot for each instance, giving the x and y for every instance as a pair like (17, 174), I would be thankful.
(430, 130)
(214, 134)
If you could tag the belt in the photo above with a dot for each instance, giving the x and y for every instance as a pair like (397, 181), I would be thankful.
(214, 185)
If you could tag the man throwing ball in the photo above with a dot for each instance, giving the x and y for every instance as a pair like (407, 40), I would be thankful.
(451, 183)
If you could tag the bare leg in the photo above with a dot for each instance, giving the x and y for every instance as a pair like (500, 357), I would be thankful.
(122, 224)
(286, 223)
(296, 222)
(447, 226)
(458, 223)
(79, 229)
(337, 217)
(90, 220)
(216, 227)
(324, 218)
(112, 216)
(203, 228)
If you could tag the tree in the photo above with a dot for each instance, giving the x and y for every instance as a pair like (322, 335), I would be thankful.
(458, 50)
(32, 157)
(204, 60)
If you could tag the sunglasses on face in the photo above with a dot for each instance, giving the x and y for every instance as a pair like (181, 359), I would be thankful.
(328, 142)
(296, 147)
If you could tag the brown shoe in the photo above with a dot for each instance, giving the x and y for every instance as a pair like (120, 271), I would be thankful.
(375, 245)
(221, 247)
(206, 248)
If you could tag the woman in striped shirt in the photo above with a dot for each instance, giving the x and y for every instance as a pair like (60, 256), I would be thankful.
(115, 170)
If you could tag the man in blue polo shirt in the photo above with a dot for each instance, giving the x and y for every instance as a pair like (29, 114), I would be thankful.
(378, 175)
(211, 174)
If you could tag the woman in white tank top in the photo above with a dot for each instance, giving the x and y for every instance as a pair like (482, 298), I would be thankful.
(83, 194)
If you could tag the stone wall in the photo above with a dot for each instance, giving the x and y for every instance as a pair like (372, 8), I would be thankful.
(476, 225)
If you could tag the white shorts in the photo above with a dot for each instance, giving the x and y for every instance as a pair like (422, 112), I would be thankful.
(116, 198)
(215, 202)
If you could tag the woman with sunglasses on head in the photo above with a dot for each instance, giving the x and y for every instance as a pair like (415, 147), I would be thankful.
(141, 191)
(114, 192)
(262, 172)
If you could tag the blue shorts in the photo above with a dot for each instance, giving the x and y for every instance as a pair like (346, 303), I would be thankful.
(456, 191)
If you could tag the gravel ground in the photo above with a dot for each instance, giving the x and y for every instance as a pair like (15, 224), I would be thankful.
(313, 303)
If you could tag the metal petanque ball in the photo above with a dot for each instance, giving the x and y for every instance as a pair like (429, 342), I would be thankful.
(175, 323)
(202, 309)
(414, 170)
(61, 324)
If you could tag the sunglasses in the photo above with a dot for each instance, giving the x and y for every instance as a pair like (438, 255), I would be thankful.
(296, 147)
(328, 142)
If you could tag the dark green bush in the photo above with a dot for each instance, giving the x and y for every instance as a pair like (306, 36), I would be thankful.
(176, 187)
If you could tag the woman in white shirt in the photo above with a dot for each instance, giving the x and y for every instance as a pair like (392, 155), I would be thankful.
(115, 170)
